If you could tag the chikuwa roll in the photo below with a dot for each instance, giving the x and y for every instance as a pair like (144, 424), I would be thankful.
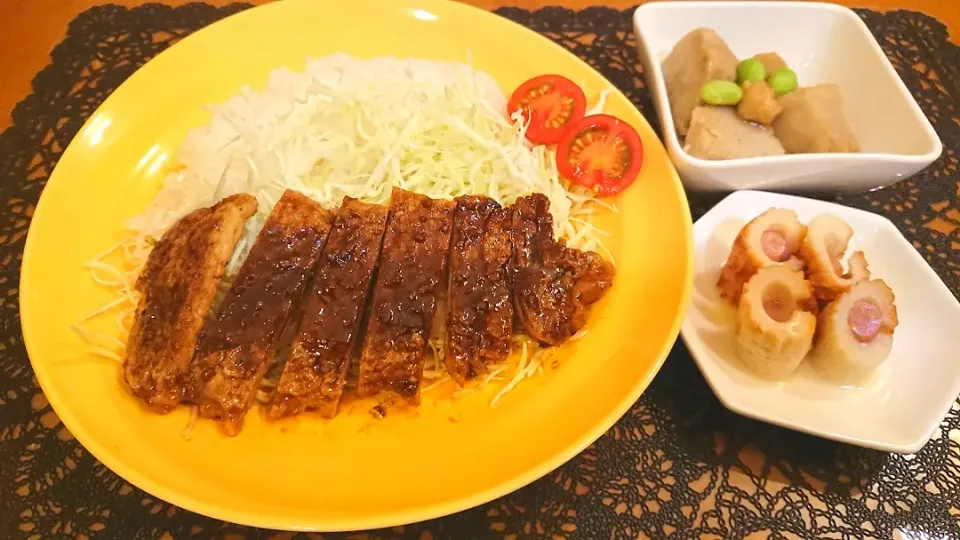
(776, 321)
(855, 332)
(773, 237)
(825, 244)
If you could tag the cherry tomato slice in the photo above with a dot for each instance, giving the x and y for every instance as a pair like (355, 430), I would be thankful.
(549, 103)
(600, 152)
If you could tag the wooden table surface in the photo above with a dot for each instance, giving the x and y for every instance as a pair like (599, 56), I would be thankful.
(30, 28)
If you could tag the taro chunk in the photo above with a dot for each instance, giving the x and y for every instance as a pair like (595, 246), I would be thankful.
(699, 57)
(718, 133)
(759, 103)
(813, 121)
(771, 61)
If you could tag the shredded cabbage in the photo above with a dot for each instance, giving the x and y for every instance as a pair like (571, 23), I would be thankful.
(348, 127)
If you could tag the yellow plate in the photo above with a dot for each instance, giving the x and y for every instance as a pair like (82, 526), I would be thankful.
(352, 472)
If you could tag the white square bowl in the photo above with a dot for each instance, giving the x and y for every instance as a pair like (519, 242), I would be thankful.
(905, 400)
(822, 43)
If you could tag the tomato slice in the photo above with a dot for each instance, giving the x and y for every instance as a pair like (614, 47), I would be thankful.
(549, 103)
(600, 152)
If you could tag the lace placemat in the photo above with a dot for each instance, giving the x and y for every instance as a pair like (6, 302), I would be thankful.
(678, 464)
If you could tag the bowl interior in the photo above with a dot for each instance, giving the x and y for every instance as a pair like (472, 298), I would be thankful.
(897, 407)
(822, 43)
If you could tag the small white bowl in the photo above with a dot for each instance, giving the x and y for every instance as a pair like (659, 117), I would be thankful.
(823, 43)
(901, 405)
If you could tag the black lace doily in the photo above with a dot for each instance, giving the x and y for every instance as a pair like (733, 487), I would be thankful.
(678, 464)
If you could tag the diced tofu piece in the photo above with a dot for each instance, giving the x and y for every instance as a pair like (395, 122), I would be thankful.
(699, 57)
(759, 103)
(718, 133)
(771, 61)
(813, 120)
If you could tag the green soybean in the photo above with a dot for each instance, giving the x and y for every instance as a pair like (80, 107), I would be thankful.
(751, 69)
(721, 93)
(783, 81)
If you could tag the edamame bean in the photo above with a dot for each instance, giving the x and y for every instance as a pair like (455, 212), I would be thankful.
(783, 81)
(721, 93)
(751, 69)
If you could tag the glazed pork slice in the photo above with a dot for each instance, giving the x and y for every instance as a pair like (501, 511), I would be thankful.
(480, 316)
(178, 287)
(328, 335)
(237, 348)
(553, 285)
(413, 264)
